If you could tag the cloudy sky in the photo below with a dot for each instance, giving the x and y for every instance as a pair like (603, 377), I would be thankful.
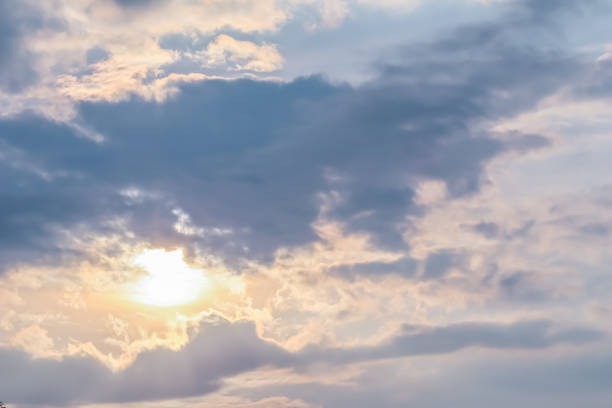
(305, 203)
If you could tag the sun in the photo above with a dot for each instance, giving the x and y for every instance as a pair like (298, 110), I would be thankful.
(169, 281)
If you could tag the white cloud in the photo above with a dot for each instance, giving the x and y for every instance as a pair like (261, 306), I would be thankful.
(241, 55)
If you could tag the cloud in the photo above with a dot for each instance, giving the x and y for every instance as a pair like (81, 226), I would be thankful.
(221, 349)
(520, 335)
(96, 54)
(135, 3)
(16, 21)
(405, 267)
(488, 229)
(438, 264)
(218, 350)
(129, 31)
(253, 156)
(235, 55)
(468, 380)
(336, 211)
(44, 47)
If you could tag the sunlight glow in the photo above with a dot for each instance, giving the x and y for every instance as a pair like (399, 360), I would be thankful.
(170, 281)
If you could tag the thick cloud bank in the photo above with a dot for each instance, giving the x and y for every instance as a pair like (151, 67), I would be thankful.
(222, 349)
(253, 157)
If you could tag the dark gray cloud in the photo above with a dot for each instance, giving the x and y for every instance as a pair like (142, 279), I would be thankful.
(549, 9)
(253, 156)
(595, 229)
(488, 229)
(96, 54)
(219, 350)
(438, 264)
(439, 340)
(503, 380)
(405, 267)
(579, 228)
(599, 84)
(523, 286)
(137, 3)
(222, 349)
(16, 21)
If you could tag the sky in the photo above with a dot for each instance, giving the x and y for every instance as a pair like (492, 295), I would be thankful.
(305, 203)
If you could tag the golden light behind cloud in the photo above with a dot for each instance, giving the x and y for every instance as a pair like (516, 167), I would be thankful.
(169, 280)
